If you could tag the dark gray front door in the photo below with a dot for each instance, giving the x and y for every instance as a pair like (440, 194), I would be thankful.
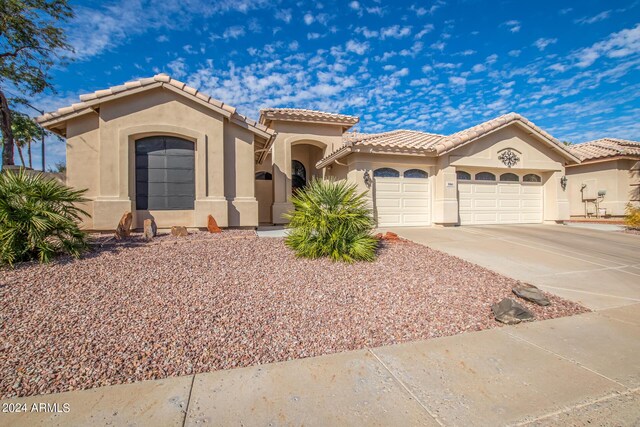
(165, 178)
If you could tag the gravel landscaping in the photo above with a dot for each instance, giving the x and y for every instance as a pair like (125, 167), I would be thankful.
(133, 311)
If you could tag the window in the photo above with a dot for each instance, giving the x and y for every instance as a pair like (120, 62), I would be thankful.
(386, 173)
(463, 176)
(511, 177)
(485, 176)
(415, 173)
(298, 175)
(165, 178)
(264, 176)
(531, 177)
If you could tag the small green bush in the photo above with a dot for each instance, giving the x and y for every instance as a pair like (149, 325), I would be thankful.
(330, 219)
(38, 218)
(632, 217)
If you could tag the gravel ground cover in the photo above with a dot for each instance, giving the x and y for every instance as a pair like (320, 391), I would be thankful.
(132, 311)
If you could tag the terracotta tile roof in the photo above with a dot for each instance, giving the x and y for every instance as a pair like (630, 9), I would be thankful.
(464, 136)
(440, 144)
(159, 80)
(301, 115)
(605, 147)
(395, 139)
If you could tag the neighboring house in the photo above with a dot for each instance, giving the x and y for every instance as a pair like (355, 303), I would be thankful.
(606, 179)
(163, 150)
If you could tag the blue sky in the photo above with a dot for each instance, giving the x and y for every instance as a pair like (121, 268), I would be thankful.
(573, 68)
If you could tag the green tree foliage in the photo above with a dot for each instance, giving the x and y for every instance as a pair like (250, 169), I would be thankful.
(25, 131)
(31, 40)
(330, 219)
(38, 218)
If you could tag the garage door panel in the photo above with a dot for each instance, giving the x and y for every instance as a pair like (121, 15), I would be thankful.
(382, 186)
(499, 203)
(400, 201)
(513, 203)
(485, 203)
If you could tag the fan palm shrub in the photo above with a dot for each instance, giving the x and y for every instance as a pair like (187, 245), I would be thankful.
(38, 218)
(330, 219)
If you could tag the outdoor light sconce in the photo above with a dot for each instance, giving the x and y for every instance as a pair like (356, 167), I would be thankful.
(367, 178)
(563, 182)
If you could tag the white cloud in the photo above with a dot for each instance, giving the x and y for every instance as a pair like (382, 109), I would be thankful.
(162, 38)
(617, 45)
(366, 32)
(354, 5)
(308, 19)
(178, 68)
(96, 30)
(395, 31)
(478, 68)
(233, 32)
(420, 11)
(357, 47)
(542, 43)
(283, 15)
(425, 30)
(514, 25)
(313, 36)
(294, 45)
(401, 72)
(438, 46)
(515, 53)
(593, 19)
(457, 81)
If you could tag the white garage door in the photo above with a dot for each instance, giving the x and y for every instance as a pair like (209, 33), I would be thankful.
(402, 201)
(499, 203)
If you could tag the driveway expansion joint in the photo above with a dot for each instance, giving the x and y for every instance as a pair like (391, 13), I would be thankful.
(405, 387)
(575, 362)
(186, 409)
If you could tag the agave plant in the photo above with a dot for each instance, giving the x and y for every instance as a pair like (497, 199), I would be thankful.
(330, 219)
(38, 218)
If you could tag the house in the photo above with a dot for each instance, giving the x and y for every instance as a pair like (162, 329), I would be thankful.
(163, 150)
(606, 179)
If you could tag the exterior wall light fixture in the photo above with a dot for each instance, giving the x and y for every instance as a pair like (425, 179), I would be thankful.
(367, 178)
(563, 182)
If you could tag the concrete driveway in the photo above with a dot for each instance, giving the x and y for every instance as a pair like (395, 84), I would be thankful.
(599, 269)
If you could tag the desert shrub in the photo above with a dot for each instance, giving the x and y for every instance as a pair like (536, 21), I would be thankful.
(38, 218)
(330, 219)
(632, 217)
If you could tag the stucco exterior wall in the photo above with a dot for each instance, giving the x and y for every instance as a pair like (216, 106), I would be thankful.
(101, 157)
(326, 137)
(619, 178)
(535, 156)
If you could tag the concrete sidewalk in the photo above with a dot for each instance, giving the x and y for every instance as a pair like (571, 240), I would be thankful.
(573, 370)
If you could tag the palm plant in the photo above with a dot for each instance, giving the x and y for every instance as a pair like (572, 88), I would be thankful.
(330, 219)
(38, 218)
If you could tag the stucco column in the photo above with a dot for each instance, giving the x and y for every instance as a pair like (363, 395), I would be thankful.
(111, 202)
(243, 209)
(210, 197)
(556, 201)
(281, 158)
(445, 196)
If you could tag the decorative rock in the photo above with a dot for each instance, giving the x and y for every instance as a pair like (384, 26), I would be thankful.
(150, 229)
(510, 312)
(212, 225)
(124, 226)
(179, 231)
(530, 293)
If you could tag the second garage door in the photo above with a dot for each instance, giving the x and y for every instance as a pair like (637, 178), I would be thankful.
(402, 199)
(500, 202)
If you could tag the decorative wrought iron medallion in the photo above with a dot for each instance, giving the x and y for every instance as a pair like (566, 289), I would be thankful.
(509, 158)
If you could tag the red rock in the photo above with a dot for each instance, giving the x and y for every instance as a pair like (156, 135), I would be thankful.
(212, 225)
(150, 229)
(124, 226)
